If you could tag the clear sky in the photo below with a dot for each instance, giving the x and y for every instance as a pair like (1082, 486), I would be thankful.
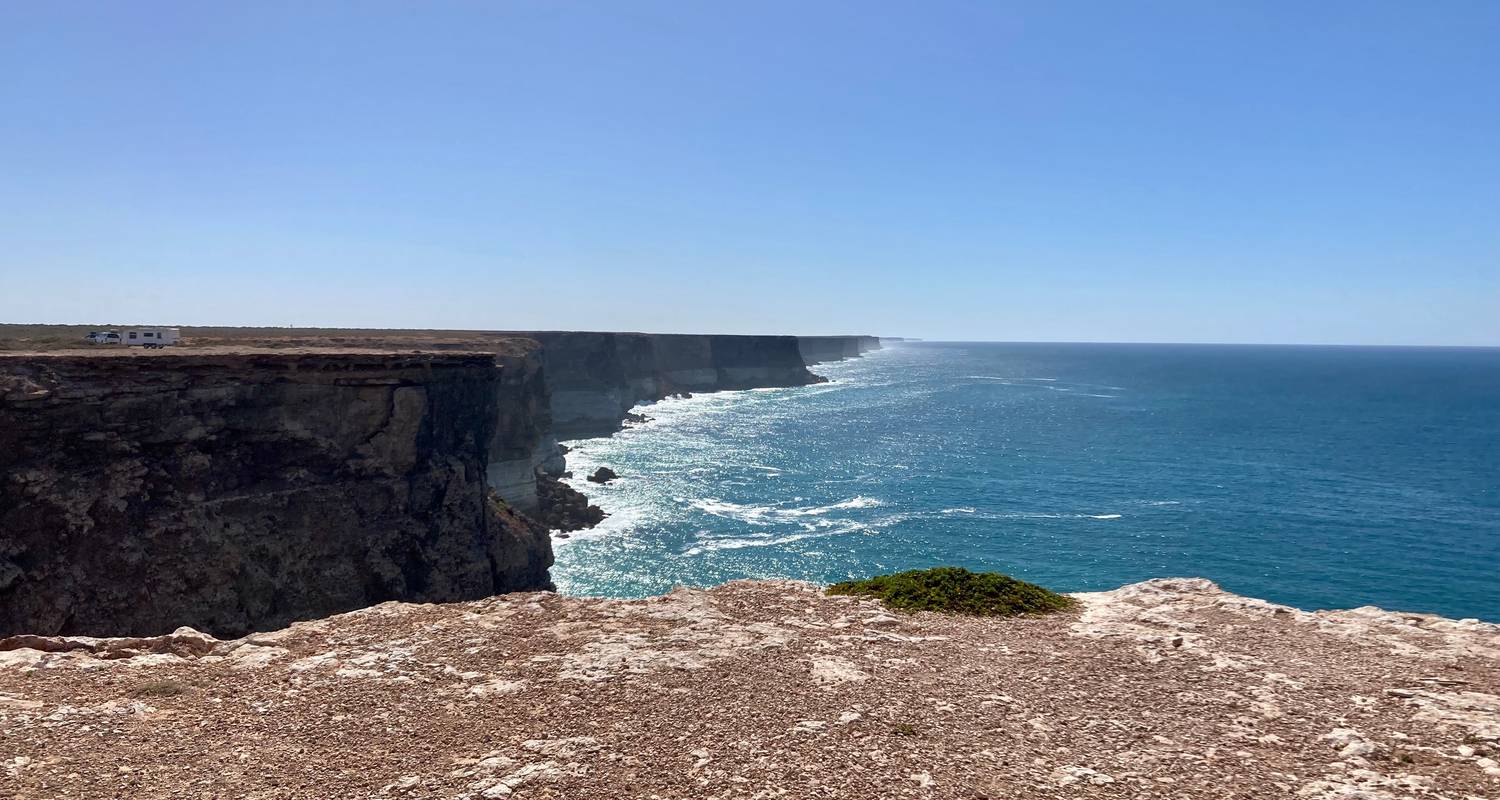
(1119, 171)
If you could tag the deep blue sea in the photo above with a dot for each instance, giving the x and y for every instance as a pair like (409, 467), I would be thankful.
(1320, 477)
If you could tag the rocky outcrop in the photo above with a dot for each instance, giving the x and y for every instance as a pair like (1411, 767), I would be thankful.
(603, 475)
(820, 349)
(1167, 689)
(241, 491)
(596, 378)
(562, 508)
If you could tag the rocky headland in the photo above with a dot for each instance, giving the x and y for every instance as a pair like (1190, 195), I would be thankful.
(235, 491)
(254, 477)
(1165, 689)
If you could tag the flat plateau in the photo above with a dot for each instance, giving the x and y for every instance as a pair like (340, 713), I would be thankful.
(1169, 688)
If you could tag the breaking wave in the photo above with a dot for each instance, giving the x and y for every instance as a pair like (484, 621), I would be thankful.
(760, 514)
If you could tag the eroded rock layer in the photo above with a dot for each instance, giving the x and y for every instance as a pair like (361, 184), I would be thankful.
(241, 491)
(1166, 689)
(821, 349)
(596, 378)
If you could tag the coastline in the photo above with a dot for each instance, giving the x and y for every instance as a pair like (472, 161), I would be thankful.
(1319, 528)
(251, 477)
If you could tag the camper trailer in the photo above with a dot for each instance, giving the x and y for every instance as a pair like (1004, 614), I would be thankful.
(151, 338)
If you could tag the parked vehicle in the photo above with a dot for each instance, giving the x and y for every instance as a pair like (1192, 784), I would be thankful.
(152, 338)
(103, 337)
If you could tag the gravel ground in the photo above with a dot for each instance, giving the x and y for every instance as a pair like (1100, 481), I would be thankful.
(1170, 689)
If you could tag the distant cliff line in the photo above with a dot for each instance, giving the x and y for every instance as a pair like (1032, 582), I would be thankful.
(244, 482)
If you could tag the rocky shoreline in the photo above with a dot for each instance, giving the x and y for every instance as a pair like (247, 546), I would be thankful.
(1169, 688)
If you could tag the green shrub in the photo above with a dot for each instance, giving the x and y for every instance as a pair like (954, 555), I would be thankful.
(956, 590)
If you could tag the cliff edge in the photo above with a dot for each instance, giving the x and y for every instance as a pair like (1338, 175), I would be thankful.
(1170, 688)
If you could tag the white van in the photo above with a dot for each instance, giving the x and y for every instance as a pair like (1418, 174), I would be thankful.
(151, 338)
(103, 337)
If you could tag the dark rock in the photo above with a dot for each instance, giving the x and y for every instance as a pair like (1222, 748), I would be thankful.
(603, 475)
(239, 492)
(563, 508)
(819, 349)
(596, 378)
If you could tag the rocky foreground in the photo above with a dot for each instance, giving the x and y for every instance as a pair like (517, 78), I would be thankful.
(1171, 688)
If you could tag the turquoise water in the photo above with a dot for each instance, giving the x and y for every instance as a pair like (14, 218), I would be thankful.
(1315, 476)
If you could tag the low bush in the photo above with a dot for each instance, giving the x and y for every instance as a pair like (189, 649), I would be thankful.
(955, 590)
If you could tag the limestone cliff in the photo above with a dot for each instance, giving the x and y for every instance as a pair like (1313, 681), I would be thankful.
(821, 349)
(596, 378)
(253, 477)
(523, 442)
(240, 491)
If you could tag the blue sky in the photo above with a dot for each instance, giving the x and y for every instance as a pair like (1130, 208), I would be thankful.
(1143, 171)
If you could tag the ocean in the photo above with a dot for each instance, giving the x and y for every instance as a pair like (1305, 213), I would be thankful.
(1319, 477)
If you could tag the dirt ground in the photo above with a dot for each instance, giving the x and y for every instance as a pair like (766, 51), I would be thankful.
(69, 340)
(1169, 689)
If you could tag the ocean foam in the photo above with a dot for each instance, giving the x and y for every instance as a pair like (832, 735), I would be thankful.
(715, 545)
(762, 514)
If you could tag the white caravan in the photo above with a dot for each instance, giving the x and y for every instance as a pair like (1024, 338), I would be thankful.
(150, 338)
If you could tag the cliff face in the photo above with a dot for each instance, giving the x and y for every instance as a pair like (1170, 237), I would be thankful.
(596, 378)
(241, 491)
(244, 482)
(820, 349)
(523, 442)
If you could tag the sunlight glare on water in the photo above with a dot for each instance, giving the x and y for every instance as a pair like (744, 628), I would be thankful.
(1320, 477)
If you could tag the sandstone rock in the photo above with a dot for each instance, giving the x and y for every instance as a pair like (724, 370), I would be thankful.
(603, 475)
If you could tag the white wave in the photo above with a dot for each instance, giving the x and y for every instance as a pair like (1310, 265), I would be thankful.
(1046, 383)
(761, 514)
(818, 529)
(994, 515)
(737, 544)
(858, 502)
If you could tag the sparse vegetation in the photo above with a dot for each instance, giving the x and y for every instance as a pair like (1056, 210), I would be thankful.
(955, 590)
